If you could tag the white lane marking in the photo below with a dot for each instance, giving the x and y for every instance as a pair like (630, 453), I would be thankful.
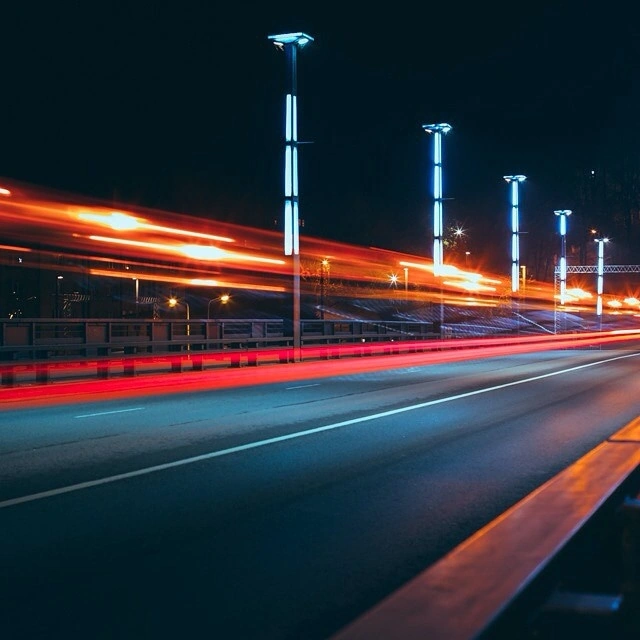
(106, 413)
(262, 443)
(303, 386)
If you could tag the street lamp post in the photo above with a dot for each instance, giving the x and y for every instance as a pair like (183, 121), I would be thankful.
(563, 214)
(324, 266)
(437, 130)
(173, 302)
(59, 280)
(600, 242)
(137, 292)
(515, 181)
(290, 43)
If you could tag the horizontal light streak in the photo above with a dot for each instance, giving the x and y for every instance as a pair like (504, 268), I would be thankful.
(7, 247)
(195, 252)
(124, 222)
(252, 284)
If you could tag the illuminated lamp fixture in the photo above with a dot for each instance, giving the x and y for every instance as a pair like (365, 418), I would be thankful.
(514, 181)
(563, 214)
(290, 43)
(600, 272)
(437, 130)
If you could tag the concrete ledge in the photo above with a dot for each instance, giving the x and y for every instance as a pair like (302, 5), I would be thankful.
(459, 596)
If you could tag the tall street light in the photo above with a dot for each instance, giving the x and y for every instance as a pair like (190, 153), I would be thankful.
(600, 242)
(173, 302)
(563, 214)
(437, 130)
(290, 43)
(515, 181)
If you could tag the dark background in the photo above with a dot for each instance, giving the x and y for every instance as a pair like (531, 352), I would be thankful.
(179, 106)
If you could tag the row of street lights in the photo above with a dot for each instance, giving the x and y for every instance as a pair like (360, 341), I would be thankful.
(290, 43)
(514, 180)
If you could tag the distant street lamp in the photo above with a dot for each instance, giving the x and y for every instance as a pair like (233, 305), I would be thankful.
(563, 214)
(137, 291)
(437, 130)
(58, 294)
(600, 242)
(173, 302)
(324, 268)
(514, 181)
(223, 299)
(290, 43)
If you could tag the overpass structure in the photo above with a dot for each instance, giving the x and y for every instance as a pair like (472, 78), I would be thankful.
(590, 268)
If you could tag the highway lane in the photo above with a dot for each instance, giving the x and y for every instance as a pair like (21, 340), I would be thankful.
(281, 510)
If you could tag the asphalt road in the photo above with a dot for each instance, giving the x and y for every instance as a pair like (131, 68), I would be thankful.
(281, 510)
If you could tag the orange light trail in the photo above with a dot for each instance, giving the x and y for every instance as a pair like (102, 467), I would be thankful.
(152, 243)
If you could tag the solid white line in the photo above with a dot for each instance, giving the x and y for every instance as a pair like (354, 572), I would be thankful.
(106, 413)
(303, 386)
(262, 443)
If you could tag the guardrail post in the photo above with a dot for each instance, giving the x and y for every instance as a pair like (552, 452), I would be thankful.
(8, 376)
(42, 373)
(129, 367)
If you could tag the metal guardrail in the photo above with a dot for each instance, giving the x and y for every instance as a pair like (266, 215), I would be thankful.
(46, 339)
(33, 349)
(36, 347)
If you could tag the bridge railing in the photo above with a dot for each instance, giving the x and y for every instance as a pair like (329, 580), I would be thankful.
(35, 347)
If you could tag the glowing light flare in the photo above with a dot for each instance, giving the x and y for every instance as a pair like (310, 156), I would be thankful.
(468, 285)
(417, 265)
(237, 284)
(4, 192)
(632, 302)
(115, 220)
(119, 221)
(615, 304)
(577, 293)
(196, 252)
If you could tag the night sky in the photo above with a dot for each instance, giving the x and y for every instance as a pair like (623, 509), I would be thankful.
(179, 106)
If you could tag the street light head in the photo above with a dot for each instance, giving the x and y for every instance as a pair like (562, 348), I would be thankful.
(298, 38)
(172, 302)
(518, 178)
(602, 240)
(443, 127)
(563, 212)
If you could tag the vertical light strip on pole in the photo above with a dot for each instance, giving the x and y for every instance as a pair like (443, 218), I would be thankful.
(437, 130)
(290, 43)
(563, 213)
(514, 181)
(600, 242)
